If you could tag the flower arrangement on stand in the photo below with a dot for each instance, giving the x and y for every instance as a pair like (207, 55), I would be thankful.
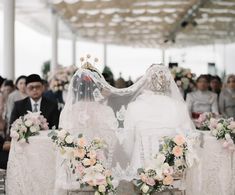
(203, 121)
(85, 160)
(182, 76)
(28, 125)
(61, 78)
(224, 129)
(169, 164)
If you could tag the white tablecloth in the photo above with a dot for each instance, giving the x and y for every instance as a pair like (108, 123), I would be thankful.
(31, 168)
(214, 173)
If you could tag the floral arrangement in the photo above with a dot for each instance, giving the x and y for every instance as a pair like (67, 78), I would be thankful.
(168, 165)
(156, 176)
(203, 121)
(28, 125)
(59, 81)
(224, 129)
(182, 76)
(85, 160)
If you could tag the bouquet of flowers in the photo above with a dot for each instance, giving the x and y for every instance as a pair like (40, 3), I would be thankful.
(182, 76)
(85, 160)
(28, 125)
(60, 80)
(155, 177)
(203, 121)
(169, 164)
(224, 129)
(175, 151)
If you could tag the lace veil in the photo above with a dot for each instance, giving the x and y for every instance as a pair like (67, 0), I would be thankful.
(96, 109)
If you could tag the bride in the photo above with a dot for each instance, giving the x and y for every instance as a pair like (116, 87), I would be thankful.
(130, 120)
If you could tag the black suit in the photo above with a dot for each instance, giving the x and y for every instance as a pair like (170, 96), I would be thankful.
(48, 108)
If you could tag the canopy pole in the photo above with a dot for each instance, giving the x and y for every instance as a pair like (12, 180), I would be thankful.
(105, 54)
(74, 49)
(54, 37)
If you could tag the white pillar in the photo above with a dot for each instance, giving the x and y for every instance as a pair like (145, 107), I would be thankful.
(163, 56)
(9, 39)
(105, 54)
(74, 49)
(54, 36)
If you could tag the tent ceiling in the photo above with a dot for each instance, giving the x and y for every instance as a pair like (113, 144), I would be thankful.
(150, 23)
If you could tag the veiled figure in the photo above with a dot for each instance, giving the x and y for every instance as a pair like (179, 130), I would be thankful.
(124, 118)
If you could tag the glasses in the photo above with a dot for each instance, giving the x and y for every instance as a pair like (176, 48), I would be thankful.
(32, 87)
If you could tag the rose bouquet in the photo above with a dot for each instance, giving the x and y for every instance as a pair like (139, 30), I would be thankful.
(155, 177)
(61, 78)
(203, 121)
(182, 76)
(169, 164)
(175, 151)
(85, 160)
(224, 129)
(28, 125)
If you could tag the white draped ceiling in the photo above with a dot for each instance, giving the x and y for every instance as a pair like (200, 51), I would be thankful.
(150, 23)
(140, 23)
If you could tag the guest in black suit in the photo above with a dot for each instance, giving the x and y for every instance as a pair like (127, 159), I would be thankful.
(36, 102)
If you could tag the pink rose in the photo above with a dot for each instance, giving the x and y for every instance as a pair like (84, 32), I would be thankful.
(143, 177)
(81, 142)
(177, 151)
(80, 169)
(80, 153)
(150, 181)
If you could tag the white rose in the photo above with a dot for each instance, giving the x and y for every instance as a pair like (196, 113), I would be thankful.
(69, 139)
(86, 162)
(101, 188)
(34, 129)
(99, 167)
(97, 193)
(214, 132)
(227, 136)
(61, 134)
(219, 126)
(145, 188)
(28, 123)
(23, 128)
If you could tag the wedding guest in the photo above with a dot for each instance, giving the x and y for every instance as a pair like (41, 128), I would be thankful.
(215, 84)
(202, 100)
(227, 98)
(36, 102)
(18, 94)
(6, 89)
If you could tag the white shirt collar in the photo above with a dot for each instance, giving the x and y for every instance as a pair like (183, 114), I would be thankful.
(37, 102)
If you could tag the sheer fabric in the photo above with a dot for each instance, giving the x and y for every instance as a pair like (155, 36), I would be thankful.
(125, 118)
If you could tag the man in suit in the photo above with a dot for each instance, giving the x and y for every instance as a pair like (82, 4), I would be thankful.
(36, 102)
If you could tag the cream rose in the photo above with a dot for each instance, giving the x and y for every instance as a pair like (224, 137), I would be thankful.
(86, 162)
(28, 123)
(168, 180)
(179, 140)
(80, 153)
(101, 188)
(69, 139)
(145, 188)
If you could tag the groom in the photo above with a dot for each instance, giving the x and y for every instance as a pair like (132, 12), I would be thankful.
(36, 102)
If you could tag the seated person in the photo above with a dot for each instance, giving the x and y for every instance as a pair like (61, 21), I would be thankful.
(36, 102)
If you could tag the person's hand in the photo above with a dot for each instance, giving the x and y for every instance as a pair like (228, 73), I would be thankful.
(6, 146)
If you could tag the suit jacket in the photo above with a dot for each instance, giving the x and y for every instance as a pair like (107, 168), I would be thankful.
(48, 108)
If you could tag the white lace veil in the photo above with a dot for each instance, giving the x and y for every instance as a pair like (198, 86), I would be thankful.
(95, 108)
